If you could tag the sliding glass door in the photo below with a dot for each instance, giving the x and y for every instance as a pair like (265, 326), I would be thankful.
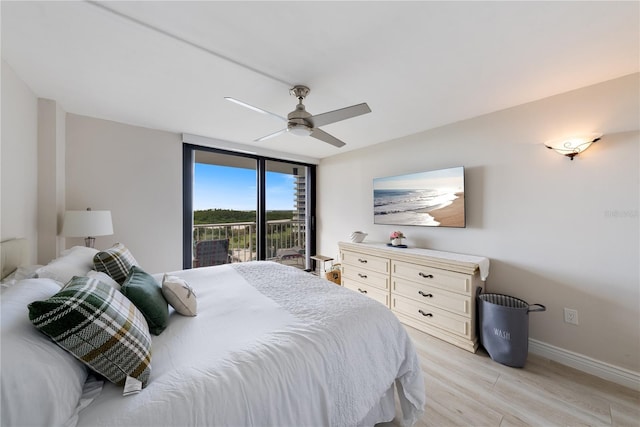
(286, 205)
(240, 208)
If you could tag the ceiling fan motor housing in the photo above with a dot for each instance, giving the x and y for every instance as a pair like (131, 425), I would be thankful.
(299, 122)
(299, 114)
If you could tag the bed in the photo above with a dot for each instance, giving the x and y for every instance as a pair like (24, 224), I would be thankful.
(270, 345)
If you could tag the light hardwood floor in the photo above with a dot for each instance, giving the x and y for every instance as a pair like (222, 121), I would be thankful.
(465, 389)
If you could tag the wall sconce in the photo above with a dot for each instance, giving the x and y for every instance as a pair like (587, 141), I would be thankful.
(87, 224)
(573, 146)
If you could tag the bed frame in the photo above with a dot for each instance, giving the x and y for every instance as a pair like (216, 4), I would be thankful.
(13, 253)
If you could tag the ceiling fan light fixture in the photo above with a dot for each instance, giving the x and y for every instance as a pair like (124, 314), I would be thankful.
(299, 129)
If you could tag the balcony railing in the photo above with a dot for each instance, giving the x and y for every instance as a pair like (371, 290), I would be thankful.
(285, 239)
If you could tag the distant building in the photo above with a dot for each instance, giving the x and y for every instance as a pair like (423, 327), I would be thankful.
(299, 227)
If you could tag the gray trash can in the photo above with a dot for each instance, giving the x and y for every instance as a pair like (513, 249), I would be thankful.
(504, 327)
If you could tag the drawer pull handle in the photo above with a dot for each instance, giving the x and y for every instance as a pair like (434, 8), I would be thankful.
(362, 291)
(364, 276)
(426, 276)
(364, 261)
(425, 314)
(425, 295)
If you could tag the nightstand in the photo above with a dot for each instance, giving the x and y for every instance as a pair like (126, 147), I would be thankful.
(321, 260)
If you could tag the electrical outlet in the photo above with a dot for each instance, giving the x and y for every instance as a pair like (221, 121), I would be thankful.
(571, 316)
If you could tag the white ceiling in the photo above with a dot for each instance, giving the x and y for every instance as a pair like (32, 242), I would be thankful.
(419, 65)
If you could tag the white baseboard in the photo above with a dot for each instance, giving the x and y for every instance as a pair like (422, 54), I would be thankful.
(586, 364)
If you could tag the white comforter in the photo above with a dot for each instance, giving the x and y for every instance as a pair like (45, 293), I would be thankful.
(271, 346)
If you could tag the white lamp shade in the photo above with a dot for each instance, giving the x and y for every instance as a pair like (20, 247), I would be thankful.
(87, 223)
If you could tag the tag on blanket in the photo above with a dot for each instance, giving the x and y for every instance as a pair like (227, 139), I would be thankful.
(131, 386)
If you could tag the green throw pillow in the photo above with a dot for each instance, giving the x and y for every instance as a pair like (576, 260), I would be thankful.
(143, 290)
(99, 326)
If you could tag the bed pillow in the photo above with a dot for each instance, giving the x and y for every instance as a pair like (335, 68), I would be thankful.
(21, 273)
(99, 326)
(115, 261)
(104, 278)
(179, 295)
(41, 382)
(76, 261)
(79, 255)
(145, 292)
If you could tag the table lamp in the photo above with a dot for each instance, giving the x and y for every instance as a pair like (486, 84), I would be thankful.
(87, 224)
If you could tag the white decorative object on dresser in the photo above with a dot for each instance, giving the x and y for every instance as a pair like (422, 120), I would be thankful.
(432, 291)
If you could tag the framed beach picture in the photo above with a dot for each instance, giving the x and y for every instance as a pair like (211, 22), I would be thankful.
(433, 199)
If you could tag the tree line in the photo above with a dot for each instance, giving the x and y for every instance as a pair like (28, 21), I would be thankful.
(225, 216)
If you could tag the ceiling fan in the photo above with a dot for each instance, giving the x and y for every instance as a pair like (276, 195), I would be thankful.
(300, 122)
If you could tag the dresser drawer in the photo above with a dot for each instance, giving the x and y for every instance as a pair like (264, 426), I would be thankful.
(455, 282)
(432, 316)
(373, 263)
(363, 275)
(434, 296)
(370, 291)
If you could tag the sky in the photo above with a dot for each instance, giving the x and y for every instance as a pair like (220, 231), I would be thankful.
(223, 187)
(445, 179)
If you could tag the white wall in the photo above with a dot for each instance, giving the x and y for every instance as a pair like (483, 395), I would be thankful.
(19, 161)
(136, 173)
(558, 232)
(51, 185)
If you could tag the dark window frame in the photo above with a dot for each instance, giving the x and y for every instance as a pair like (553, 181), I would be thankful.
(188, 156)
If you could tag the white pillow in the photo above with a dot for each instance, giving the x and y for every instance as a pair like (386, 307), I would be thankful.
(104, 278)
(41, 382)
(60, 272)
(21, 273)
(76, 261)
(80, 255)
(179, 295)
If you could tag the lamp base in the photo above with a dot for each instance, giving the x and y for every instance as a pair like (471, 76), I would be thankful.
(89, 242)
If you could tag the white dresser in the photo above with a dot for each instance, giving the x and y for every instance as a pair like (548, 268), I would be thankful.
(432, 291)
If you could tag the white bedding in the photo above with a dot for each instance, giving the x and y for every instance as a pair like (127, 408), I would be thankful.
(271, 345)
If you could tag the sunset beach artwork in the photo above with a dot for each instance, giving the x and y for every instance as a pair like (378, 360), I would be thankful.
(433, 198)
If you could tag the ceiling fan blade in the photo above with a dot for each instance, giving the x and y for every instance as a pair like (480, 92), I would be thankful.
(323, 136)
(341, 114)
(271, 135)
(251, 107)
